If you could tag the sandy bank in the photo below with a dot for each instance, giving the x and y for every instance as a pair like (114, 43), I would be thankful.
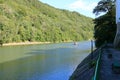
(24, 43)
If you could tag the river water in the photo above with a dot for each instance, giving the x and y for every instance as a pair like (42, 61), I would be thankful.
(41, 62)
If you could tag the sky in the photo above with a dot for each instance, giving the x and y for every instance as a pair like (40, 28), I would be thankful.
(84, 7)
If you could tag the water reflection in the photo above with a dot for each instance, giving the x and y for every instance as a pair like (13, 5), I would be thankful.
(41, 62)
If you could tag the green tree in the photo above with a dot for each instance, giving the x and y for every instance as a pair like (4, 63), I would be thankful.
(105, 27)
(104, 6)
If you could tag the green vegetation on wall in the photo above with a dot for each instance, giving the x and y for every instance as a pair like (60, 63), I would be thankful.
(31, 20)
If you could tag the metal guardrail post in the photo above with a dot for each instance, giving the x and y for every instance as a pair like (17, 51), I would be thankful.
(91, 49)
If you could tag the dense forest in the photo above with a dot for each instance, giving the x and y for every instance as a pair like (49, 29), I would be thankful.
(32, 20)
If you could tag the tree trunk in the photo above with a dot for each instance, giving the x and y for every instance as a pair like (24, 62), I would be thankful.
(117, 37)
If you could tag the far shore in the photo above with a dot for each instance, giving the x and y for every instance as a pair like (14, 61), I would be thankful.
(28, 43)
(24, 43)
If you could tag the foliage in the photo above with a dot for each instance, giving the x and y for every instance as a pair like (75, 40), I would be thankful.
(31, 20)
(104, 6)
(105, 28)
(92, 63)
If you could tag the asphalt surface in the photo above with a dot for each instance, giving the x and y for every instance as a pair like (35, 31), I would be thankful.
(109, 56)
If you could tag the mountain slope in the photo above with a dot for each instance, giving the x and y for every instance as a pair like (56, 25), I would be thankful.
(31, 20)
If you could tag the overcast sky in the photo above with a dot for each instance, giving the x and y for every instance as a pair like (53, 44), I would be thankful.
(84, 7)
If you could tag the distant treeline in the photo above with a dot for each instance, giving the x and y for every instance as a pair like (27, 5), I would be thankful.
(31, 20)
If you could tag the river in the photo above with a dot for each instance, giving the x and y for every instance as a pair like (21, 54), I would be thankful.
(41, 62)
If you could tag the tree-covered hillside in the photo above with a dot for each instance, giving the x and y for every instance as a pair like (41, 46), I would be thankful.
(31, 20)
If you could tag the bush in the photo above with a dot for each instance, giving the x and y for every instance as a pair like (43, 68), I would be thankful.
(1, 42)
(92, 64)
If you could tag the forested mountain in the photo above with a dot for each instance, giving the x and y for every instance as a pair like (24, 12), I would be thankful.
(31, 20)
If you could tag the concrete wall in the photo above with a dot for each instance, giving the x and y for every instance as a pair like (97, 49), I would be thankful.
(117, 11)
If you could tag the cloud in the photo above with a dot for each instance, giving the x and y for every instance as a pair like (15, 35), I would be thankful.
(82, 4)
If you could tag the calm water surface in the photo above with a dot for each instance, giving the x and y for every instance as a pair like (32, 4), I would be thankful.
(41, 62)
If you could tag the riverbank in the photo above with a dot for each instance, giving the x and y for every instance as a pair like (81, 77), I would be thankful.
(24, 43)
(28, 43)
(107, 65)
(85, 70)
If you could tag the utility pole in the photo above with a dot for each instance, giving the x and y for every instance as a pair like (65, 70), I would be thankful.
(117, 37)
(91, 49)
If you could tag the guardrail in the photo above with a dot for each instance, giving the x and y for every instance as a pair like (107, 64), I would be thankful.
(97, 67)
